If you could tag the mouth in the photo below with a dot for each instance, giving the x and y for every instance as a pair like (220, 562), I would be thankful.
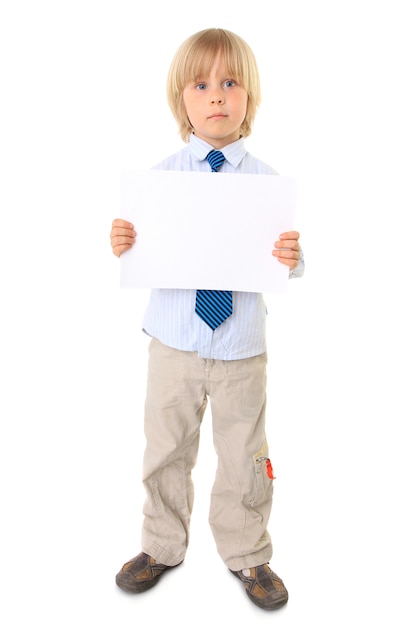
(217, 116)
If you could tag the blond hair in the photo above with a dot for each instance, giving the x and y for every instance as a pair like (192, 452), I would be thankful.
(194, 59)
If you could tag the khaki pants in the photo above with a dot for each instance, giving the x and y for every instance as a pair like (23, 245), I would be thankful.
(178, 386)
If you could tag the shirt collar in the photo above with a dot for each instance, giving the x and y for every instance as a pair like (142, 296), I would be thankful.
(234, 152)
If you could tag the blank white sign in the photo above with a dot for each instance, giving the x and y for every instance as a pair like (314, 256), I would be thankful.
(202, 231)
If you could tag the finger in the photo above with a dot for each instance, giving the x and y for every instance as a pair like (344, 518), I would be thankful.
(120, 247)
(291, 234)
(118, 250)
(291, 263)
(287, 244)
(122, 223)
(122, 232)
(121, 240)
(287, 256)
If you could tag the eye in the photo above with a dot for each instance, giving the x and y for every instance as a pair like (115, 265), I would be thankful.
(201, 86)
(230, 83)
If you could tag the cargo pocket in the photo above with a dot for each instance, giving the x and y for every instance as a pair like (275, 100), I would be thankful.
(264, 476)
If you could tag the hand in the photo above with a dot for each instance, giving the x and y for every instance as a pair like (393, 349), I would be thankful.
(122, 236)
(287, 249)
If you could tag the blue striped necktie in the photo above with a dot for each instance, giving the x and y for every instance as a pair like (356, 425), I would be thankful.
(214, 307)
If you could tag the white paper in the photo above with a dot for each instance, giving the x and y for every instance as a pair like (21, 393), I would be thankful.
(206, 231)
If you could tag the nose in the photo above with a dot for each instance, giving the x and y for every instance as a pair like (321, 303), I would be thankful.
(216, 99)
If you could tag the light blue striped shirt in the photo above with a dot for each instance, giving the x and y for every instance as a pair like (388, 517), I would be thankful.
(170, 315)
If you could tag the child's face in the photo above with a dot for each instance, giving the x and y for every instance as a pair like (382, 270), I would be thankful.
(216, 106)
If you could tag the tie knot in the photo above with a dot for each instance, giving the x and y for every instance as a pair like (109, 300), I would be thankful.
(215, 158)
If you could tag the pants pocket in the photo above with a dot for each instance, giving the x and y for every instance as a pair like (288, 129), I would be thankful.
(264, 476)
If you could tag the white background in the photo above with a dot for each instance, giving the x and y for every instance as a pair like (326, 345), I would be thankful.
(82, 97)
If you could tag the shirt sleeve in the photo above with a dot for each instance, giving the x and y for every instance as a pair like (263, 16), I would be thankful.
(299, 270)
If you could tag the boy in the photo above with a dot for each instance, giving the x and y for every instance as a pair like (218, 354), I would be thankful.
(213, 91)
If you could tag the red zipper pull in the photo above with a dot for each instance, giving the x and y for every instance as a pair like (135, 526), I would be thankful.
(269, 470)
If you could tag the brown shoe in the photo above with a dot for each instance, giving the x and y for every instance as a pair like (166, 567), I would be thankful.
(140, 573)
(263, 587)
